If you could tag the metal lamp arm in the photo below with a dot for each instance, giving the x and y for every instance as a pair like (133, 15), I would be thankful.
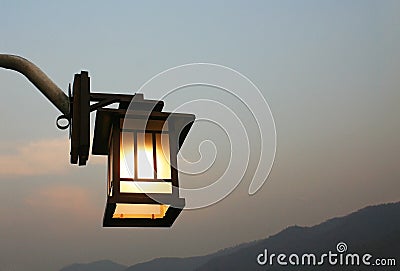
(37, 78)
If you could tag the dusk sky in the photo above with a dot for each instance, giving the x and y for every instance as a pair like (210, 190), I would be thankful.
(329, 71)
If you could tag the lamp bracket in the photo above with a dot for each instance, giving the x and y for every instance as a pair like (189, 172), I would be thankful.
(105, 99)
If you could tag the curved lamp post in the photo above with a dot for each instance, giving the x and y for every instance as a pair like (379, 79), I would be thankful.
(141, 142)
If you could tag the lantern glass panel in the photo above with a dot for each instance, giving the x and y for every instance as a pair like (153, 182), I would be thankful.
(127, 164)
(163, 156)
(145, 187)
(153, 211)
(145, 156)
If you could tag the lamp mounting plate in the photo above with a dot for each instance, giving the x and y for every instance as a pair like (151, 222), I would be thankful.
(80, 118)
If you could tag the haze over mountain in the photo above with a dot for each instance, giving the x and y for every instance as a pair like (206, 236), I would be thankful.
(374, 230)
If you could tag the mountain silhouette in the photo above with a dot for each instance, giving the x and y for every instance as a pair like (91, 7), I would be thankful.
(374, 230)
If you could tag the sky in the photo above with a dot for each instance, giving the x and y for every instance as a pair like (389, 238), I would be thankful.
(328, 70)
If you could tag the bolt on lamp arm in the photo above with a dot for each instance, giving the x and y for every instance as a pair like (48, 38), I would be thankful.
(37, 78)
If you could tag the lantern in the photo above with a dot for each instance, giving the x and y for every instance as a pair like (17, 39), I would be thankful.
(142, 144)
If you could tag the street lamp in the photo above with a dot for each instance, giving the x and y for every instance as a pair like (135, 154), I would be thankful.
(142, 145)
(141, 142)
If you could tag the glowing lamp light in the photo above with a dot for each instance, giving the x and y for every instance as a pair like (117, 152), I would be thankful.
(142, 144)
